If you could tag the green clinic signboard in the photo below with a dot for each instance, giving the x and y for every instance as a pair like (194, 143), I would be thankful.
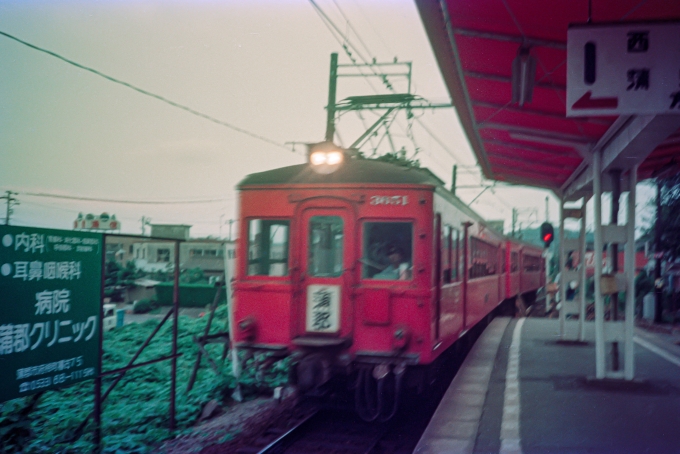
(50, 284)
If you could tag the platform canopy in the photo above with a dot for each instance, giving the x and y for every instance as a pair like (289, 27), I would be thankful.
(475, 43)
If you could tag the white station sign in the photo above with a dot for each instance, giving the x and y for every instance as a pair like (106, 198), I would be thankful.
(628, 68)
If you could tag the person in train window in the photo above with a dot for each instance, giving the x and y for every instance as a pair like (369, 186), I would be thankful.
(398, 269)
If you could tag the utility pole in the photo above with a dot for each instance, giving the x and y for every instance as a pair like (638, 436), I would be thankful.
(547, 212)
(11, 202)
(230, 221)
(453, 179)
(145, 221)
(386, 102)
(514, 220)
(332, 85)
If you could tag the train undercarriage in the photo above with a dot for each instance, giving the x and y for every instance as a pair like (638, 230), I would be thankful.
(373, 383)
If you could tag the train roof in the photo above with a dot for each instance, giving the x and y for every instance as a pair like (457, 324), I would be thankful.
(365, 171)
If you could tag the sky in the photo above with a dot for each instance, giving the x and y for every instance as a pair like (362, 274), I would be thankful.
(68, 135)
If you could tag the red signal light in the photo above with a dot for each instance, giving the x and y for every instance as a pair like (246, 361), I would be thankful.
(547, 234)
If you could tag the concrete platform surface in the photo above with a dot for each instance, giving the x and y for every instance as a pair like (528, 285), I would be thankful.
(520, 391)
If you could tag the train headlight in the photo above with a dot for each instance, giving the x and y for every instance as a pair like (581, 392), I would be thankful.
(317, 158)
(334, 157)
(325, 157)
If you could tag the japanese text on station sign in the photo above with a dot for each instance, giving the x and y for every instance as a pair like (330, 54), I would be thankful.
(626, 68)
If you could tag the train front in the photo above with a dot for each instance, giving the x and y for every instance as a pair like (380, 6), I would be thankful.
(333, 268)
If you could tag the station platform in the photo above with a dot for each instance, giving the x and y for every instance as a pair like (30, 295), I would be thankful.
(521, 391)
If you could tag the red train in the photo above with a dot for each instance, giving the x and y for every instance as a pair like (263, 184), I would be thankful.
(366, 268)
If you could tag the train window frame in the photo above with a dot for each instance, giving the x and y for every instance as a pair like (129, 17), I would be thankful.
(484, 259)
(446, 256)
(266, 262)
(335, 253)
(529, 267)
(514, 261)
(457, 268)
(379, 250)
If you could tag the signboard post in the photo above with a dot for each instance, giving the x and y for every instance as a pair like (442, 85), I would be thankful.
(50, 298)
(623, 69)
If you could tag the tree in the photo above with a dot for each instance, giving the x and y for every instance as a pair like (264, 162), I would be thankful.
(670, 216)
(117, 278)
(192, 276)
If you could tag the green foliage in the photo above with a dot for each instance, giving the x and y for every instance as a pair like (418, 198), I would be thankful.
(190, 295)
(193, 276)
(142, 306)
(116, 278)
(670, 216)
(135, 415)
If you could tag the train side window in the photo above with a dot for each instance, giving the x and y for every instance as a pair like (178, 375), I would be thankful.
(387, 250)
(446, 255)
(456, 255)
(532, 263)
(325, 246)
(268, 247)
(514, 262)
(484, 258)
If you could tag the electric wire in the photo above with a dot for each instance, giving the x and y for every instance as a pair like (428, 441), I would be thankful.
(135, 202)
(351, 27)
(145, 92)
(370, 24)
(405, 129)
(408, 131)
(335, 30)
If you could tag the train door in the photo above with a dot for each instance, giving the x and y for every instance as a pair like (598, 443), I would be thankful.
(326, 238)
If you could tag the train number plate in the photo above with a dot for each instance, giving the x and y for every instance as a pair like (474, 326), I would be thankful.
(323, 308)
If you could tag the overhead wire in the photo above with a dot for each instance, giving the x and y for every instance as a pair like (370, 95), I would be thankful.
(136, 202)
(370, 24)
(389, 86)
(145, 92)
(350, 26)
(464, 169)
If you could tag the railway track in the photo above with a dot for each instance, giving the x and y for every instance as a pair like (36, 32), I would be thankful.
(311, 430)
(335, 432)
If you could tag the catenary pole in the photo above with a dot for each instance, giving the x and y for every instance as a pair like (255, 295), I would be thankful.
(332, 84)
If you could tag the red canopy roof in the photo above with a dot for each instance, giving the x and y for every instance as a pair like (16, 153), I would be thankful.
(475, 42)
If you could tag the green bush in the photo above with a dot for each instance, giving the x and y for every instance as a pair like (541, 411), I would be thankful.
(135, 415)
(190, 295)
(142, 306)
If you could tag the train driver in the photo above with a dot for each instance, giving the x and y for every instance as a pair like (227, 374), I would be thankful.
(398, 268)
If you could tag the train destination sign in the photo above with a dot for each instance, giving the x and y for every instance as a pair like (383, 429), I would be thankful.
(628, 68)
(50, 284)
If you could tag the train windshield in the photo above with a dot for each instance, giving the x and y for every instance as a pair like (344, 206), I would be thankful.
(268, 247)
(387, 250)
(325, 246)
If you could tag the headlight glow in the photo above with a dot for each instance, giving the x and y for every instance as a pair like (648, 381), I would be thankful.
(318, 158)
(334, 157)
(325, 157)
